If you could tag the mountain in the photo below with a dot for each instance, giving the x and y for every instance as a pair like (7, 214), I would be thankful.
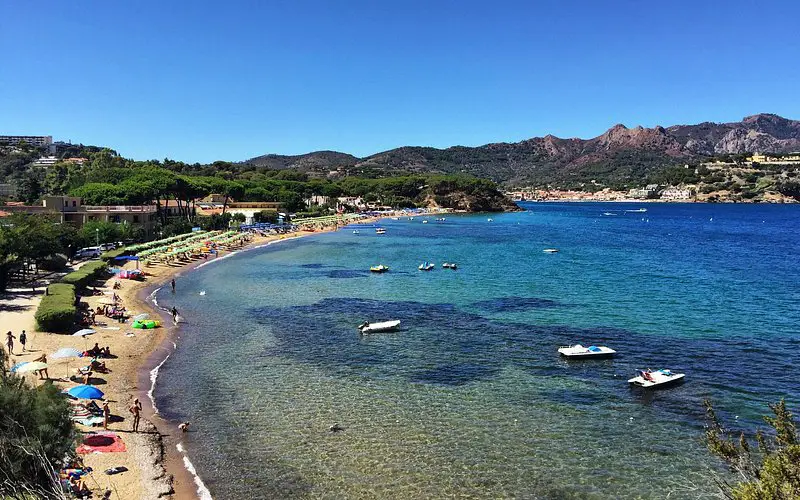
(618, 156)
(317, 160)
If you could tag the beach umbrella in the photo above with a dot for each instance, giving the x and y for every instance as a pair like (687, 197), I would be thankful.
(67, 352)
(85, 392)
(84, 333)
(18, 366)
(32, 367)
(141, 317)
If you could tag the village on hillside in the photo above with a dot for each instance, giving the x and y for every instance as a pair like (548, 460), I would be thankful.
(758, 178)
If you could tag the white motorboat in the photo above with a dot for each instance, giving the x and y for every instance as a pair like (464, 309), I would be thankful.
(425, 221)
(550, 250)
(450, 265)
(426, 266)
(380, 230)
(355, 231)
(656, 378)
(489, 220)
(637, 211)
(385, 326)
(593, 351)
(609, 214)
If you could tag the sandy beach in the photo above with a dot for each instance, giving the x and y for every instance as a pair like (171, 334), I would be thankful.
(155, 467)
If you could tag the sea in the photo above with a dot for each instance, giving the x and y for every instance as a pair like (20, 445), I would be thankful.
(470, 398)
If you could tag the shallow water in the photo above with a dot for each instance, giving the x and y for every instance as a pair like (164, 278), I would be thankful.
(470, 398)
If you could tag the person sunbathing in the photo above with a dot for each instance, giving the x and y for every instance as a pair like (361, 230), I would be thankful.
(98, 366)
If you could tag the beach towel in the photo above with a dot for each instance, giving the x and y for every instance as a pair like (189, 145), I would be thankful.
(101, 442)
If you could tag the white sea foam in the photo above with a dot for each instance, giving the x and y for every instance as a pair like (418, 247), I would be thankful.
(202, 491)
(153, 378)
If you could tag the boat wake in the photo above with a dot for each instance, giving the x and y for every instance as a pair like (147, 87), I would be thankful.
(202, 491)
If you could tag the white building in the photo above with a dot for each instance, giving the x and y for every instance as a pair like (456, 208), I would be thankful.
(34, 140)
(677, 193)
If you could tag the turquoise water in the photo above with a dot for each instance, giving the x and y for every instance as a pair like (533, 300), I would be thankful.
(470, 398)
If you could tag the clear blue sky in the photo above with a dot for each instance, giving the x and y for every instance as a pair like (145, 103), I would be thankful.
(206, 80)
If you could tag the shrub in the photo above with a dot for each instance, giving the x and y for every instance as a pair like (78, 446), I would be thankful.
(53, 263)
(113, 254)
(56, 312)
(83, 276)
(36, 434)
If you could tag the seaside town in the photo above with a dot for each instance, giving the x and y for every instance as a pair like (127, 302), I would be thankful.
(753, 166)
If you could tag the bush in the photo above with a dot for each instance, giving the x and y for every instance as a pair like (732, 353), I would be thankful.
(113, 254)
(56, 312)
(86, 274)
(53, 263)
(36, 434)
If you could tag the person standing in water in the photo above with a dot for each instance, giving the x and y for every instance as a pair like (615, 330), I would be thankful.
(173, 285)
(174, 314)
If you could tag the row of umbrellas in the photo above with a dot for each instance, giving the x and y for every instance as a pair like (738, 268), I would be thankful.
(163, 241)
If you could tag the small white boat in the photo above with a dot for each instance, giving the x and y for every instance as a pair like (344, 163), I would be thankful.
(385, 326)
(380, 230)
(609, 214)
(579, 351)
(355, 231)
(425, 221)
(450, 265)
(489, 220)
(380, 268)
(442, 219)
(550, 250)
(426, 266)
(658, 378)
(637, 211)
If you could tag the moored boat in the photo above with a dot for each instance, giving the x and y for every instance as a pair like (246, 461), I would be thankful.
(380, 268)
(579, 351)
(637, 211)
(450, 265)
(380, 230)
(426, 266)
(384, 326)
(355, 231)
(649, 379)
(550, 250)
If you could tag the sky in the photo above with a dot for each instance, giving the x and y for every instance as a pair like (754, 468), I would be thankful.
(209, 80)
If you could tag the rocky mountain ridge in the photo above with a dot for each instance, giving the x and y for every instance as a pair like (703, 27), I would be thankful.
(619, 155)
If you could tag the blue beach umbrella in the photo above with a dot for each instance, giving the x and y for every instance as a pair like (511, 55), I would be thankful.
(85, 392)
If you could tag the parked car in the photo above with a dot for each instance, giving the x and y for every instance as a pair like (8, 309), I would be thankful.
(88, 253)
(105, 247)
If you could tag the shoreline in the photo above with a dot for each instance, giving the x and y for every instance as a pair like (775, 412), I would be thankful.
(185, 481)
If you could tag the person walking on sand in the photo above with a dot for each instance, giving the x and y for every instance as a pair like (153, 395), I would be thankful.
(22, 339)
(10, 342)
(173, 285)
(136, 410)
(106, 414)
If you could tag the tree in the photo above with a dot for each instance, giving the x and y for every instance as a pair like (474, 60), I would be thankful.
(773, 470)
(36, 434)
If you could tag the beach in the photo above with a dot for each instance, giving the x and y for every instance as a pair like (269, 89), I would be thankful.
(155, 467)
